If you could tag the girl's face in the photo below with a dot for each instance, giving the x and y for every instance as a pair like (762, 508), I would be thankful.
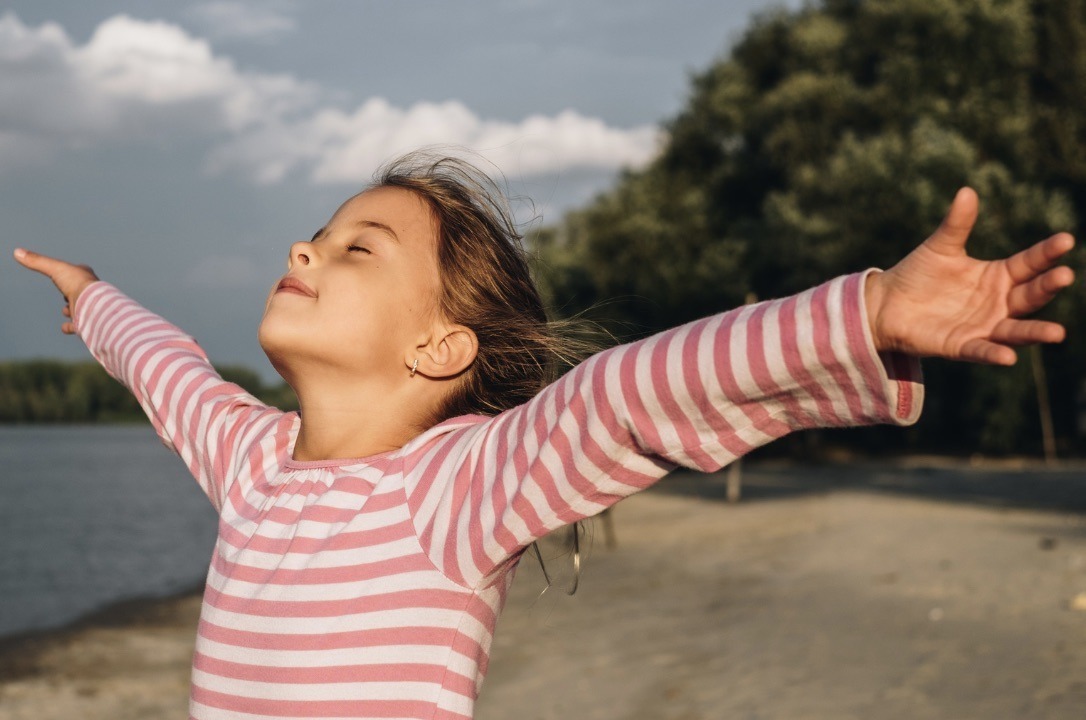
(361, 296)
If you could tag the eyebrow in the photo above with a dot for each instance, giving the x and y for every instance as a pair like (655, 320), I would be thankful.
(361, 223)
(380, 226)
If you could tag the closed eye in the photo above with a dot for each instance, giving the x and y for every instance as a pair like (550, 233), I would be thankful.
(358, 248)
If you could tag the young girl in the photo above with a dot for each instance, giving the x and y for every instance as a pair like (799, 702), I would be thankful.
(366, 544)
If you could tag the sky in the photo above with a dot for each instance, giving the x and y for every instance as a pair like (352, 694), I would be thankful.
(179, 148)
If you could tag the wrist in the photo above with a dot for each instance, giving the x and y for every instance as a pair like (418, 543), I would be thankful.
(81, 287)
(78, 292)
(874, 292)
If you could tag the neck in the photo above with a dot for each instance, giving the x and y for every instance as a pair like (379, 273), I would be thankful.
(352, 420)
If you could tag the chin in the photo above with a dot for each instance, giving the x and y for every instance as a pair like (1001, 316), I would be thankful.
(278, 344)
(292, 348)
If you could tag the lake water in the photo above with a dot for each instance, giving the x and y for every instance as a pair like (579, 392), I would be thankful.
(92, 515)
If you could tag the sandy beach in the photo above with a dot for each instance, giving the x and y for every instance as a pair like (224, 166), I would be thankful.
(860, 591)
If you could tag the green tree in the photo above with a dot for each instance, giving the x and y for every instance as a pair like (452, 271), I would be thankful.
(52, 391)
(831, 139)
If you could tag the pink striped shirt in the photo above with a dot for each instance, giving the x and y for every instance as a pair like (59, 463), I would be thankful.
(371, 587)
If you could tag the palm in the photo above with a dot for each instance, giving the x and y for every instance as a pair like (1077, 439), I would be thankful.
(938, 301)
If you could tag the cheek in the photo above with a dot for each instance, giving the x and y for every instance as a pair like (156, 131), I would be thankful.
(421, 295)
(412, 314)
(365, 319)
(409, 305)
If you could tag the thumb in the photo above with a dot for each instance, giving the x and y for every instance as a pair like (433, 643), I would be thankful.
(950, 237)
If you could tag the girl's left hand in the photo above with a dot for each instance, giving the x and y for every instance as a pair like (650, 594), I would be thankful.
(940, 302)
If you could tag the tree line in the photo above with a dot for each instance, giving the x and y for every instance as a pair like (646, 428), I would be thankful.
(831, 139)
(54, 391)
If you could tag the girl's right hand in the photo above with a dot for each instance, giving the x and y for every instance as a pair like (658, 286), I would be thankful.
(70, 279)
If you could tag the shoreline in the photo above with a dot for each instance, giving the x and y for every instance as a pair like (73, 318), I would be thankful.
(21, 653)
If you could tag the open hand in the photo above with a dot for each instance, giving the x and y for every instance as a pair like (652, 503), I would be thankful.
(940, 302)
(70, 279)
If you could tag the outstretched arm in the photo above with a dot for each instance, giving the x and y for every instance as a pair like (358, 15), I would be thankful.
(696, 396)
(706, 393)
(939, 302)
(206, 420)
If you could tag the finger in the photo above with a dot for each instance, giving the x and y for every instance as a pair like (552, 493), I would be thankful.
(66, 311)
(983, 351)
(68, 328)
(1028, 332)
(1038, 292)
(949, 238)
(1039, 257)
(44, 264)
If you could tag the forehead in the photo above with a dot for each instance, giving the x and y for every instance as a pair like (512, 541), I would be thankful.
(407, 214)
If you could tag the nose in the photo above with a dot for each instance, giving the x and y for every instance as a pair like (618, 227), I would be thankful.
(300, 252)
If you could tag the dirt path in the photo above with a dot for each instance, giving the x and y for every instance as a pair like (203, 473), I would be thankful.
(838, 605)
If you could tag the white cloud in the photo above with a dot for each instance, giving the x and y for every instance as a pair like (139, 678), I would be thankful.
(337, 147)
(137, 80)
(263, 21)
(155, 64)
(131, 79)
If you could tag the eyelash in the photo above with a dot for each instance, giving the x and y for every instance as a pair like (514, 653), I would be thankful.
(359, 248)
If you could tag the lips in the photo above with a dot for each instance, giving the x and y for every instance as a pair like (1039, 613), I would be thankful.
(294, 286)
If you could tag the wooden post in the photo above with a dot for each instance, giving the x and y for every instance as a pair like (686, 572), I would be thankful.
(1043, 405)
(735, 481)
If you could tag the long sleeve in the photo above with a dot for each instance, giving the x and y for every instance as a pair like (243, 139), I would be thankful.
(697, 396)
(209, 422)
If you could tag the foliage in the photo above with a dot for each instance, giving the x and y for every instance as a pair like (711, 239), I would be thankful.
(52, 391)
(831, 139)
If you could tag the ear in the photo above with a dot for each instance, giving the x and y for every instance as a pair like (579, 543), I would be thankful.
(449, 351)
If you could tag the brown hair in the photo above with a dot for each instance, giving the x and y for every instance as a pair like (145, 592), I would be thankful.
(486, 285)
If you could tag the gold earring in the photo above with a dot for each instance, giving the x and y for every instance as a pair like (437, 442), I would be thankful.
(414, 367)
